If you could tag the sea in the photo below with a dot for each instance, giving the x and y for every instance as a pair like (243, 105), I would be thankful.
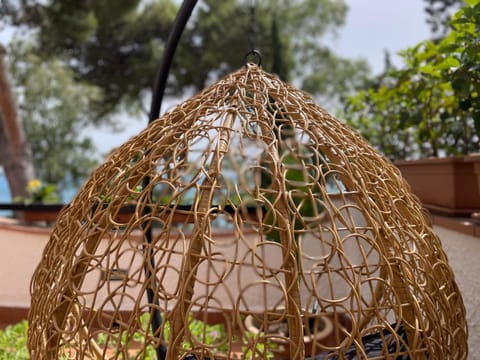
(4, 194)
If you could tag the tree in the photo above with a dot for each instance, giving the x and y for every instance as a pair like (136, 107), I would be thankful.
(431, 106)
(334, 78)
(55, 111)
(117, 46)
(113, 45)
(15, 154)
(439, 13)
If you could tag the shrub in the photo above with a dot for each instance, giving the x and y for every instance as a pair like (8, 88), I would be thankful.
(13, 342)
(431, 106)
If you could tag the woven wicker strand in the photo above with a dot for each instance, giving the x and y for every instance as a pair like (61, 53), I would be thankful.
(264, 210)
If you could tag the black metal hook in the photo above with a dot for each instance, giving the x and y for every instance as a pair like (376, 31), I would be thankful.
(253, 56)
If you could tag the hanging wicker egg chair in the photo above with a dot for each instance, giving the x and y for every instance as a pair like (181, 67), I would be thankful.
(251, 205)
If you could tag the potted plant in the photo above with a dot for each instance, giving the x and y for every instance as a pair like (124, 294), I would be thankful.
(475, 160)
(41, 202)
(426, 116)
(446, 186)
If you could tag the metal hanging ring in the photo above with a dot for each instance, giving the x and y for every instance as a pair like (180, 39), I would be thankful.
(254, 57)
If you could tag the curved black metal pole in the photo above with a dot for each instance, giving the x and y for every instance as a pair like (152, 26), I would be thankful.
(157, 97)
(170, 48)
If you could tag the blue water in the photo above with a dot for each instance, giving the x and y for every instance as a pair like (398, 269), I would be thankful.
(4, 193)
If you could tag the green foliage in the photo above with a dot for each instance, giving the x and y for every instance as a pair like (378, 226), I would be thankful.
(113, 45)
(13, 342)
(464, 43)
(117, 46)
(259, 350)
(83, 61)
(212, 335)
(333, 77)
(40, 193)
(54, 108)
(288, 34)
(298, 169)
(302, 192)
(439, 13)
(430, 107)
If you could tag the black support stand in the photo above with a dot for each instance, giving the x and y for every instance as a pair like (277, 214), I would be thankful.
(157, 97)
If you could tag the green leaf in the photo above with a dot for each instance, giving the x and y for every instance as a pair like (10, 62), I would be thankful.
(473, 50)
(430, 70)
(13, 342)
(472, 2)
(465, 104)
(476, 120)
(448, 63)
(461, 85)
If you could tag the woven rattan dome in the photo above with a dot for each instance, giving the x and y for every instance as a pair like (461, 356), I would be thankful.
(253, 205)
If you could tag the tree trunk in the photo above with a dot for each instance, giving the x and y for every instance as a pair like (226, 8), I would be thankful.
(15, 153)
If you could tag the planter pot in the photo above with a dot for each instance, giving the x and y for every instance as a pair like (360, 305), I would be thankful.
(446, 186)
(327, 333)
(36, 213)
(474, 159)
(49, 216)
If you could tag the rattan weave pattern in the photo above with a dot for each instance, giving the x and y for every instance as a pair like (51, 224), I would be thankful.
(262, 204)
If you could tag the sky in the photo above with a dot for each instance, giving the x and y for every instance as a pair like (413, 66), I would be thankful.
(372, 26)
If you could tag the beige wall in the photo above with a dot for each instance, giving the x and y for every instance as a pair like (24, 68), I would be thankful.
(20, 253)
